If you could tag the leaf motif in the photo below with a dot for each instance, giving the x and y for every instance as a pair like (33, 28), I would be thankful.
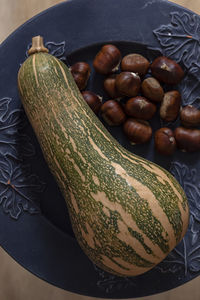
(189, 88)
(188, 179)
(195, 265)
(55, 49)
(4, 105)
(110, 283)
(185, 258)
(180, 39)
(19, 188)
(195, 237)
(175, 261)
(12, 142)
(13, 123)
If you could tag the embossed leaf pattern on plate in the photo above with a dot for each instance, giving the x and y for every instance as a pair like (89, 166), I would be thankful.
(12, 141)
(19, 187)
(180, 40)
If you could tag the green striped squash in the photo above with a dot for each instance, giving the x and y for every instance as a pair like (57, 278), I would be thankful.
(127, 213)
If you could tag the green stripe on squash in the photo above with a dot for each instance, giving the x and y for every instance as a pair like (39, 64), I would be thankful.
(127, 213)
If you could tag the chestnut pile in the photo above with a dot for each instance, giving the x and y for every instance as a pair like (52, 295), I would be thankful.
(141, 84)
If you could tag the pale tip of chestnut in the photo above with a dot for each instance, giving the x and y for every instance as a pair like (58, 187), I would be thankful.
(100, 98)
(115, 69)
(136, 75)
(164, 66)
(171, 139)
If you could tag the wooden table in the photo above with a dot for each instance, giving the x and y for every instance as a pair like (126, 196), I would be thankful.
(15, 282)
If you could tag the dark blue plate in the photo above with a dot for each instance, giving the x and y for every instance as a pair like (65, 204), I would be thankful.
(34, 224)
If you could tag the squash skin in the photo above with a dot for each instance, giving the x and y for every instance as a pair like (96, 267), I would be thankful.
(127, 213)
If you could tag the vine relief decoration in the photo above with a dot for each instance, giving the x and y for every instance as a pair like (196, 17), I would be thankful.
(20, 189)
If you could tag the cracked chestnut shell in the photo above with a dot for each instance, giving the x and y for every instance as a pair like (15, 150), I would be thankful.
(139, 107)
(187, 139)
(137, 131)
(190, 116)
(107, 59)
(164, 141)
(167, 70)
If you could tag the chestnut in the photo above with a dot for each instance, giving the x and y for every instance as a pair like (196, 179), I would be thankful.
(170, 106)
(135, 63)
(167, 70)
(110, 87)
(164, 141)
(81, 73)
(94, 101)
(113, 113)
(137, 131)
(190, 116)
(187, 139)
(140, 108)
(107, 59)
(152, 89)
(128, 84)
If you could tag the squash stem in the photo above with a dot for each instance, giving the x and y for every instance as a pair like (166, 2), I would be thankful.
(37, 45)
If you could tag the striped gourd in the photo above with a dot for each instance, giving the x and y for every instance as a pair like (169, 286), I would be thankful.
(127, 213)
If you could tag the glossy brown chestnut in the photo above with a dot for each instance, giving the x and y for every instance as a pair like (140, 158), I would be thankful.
(137, 131)
(152, 89)
(170, 106)
(190, 116)
(164, 141)
(113, 113)
(94, 101)
(187, 139)
(128, 84)
(81, 73)
(167, 70)
(135, 63)
(110, 87)
(107, 59)
(140, 108)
